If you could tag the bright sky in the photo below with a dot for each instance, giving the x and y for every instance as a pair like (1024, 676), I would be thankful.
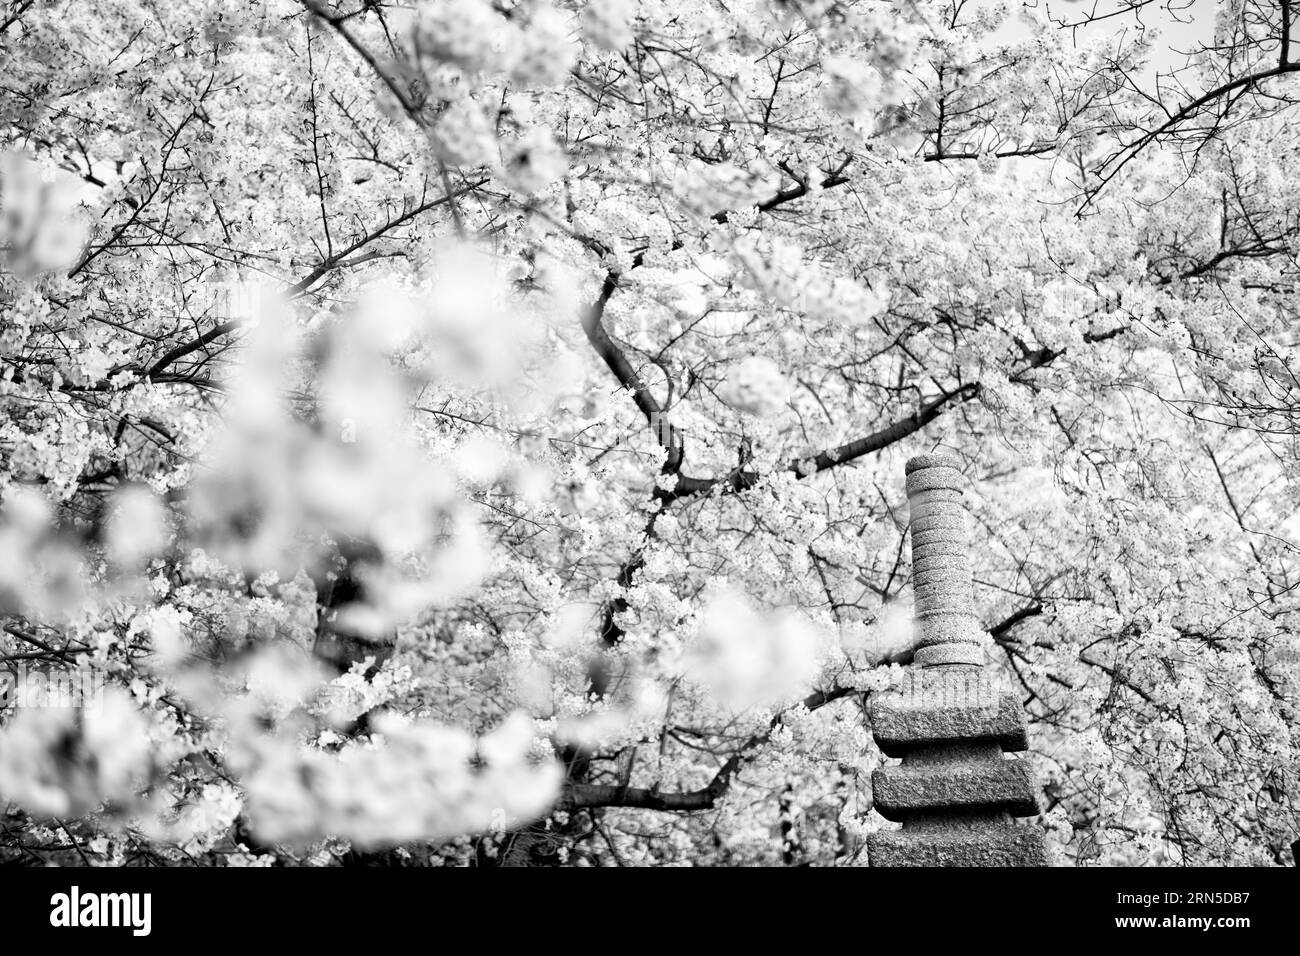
(1181, 24)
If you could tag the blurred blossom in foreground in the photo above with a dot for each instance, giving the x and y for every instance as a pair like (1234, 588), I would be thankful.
(43, 576)
(67, 761)
(286, 484)
(40, 226)
(889, 639)
(756, 386)
(608, 23)
(412, 781)
(535, 161)
(315, 475)
(747, 658)
(136, 529)
(473, 329)
(24, 522)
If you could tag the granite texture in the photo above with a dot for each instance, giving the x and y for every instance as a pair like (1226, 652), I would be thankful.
(995, 845)
(955, 792)
(943, 705)
(1004, 785)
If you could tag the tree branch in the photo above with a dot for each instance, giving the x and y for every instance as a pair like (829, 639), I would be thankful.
(655, 415)
(797, 191)
(1036, 149)
(1284, 40)
(306, 282)
(841, 454)
(579, 796)
(1130, 152)
(1023, 614)
(340, 258)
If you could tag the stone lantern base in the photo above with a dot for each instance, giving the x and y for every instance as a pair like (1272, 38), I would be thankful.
(955, 792)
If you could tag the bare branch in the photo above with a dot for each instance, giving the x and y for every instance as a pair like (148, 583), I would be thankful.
(578, 796)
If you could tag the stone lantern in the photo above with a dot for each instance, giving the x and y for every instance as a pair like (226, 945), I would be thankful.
(952, 723)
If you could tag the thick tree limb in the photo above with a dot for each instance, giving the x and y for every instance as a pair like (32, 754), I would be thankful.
(655, 415)
(185, 348)
(797, 191)
(1284, 38)
(841, 454)
(666, 434)
(1016, 617)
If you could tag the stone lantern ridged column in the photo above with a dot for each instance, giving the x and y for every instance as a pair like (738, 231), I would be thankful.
(955, 792)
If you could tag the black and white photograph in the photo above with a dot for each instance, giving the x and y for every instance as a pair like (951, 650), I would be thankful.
(649, 434)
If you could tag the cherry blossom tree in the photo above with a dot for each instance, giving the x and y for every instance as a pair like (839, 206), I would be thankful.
(470, 432)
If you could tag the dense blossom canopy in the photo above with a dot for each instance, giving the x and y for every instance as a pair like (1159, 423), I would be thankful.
(472, 431)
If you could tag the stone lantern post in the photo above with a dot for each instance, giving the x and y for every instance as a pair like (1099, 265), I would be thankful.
(955, 792)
